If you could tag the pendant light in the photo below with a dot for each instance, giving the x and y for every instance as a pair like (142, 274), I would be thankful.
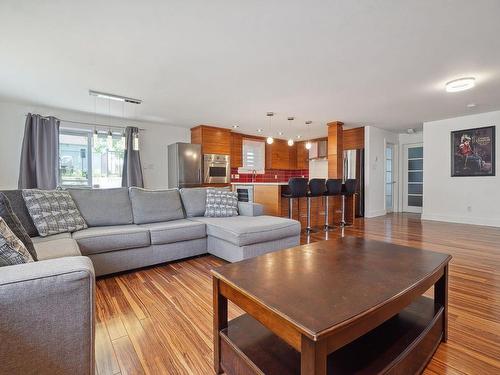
(95, 137)
(135, 145)
(124, 140)
(290, 140)
(109, 140)
(270, 139)
(308, 143)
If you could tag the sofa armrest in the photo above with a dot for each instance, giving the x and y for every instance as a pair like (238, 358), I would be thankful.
(47, 317)
(250, 209)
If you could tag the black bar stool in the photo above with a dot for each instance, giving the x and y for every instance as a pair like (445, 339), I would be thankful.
(333, 188)
(297, 188)
(317, 188)
(348, 189)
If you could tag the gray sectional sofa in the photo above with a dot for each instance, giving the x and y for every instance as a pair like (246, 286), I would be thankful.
(47, 317)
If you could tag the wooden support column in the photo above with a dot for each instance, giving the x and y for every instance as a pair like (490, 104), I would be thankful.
(335, 149)
(335, 166)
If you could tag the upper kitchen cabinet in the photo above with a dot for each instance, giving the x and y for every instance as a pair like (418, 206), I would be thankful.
(278, 155)
(319, 149)
(213, 140)
(354, 138)
(302, 155)
(236, 150)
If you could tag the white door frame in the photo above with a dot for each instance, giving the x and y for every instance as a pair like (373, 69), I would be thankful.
(405, 206)
(395, 192)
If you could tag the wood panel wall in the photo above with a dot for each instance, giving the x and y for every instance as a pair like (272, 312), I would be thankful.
(354, 139)
(213, 140)
(335, 149)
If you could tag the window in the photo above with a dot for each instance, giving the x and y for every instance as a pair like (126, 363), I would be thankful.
(85, 163)
(254, 156)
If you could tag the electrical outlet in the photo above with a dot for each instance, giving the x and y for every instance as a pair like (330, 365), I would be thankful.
(275, 176)
(236, 176)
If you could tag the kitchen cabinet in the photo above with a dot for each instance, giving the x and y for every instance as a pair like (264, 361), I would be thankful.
(213, 140)
(319, 149)
(302, 156)
(277, 155)
(236, 150)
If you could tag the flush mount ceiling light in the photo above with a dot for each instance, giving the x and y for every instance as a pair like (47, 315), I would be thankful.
(270, 139)
(471, 105)
(119, 98)
(260, 130)
(460, 84)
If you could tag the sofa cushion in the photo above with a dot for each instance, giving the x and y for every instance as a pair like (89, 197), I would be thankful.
(12, 250)
(175, 231)
(13, 222)
(56, 246)
(152, 206)
(247, 230)
(102, 207)
(53, 211)
(118, 237)
(194, 201)
(16, 200)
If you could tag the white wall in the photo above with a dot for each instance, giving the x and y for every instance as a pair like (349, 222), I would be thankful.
(318, 168)
(472, 200)
(375, 143)
(154, 141)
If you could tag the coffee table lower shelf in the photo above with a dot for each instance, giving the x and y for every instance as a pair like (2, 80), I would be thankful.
(402, 345)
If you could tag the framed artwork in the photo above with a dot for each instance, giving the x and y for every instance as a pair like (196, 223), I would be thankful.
(473, 152)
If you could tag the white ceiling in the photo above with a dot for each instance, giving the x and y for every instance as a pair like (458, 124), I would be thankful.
(364, 62)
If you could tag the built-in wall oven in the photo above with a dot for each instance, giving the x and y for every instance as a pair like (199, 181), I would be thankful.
(217, 169)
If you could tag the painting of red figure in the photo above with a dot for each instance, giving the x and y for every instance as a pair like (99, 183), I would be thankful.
(473, 152)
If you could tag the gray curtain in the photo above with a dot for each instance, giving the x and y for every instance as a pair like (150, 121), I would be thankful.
(132, 169)
(40, 153)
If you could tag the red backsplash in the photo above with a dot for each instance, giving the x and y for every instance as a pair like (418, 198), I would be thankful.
(271, 175)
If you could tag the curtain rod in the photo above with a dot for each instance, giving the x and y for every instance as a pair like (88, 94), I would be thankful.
(95, 124)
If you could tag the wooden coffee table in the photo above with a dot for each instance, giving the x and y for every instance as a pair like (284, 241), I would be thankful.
(346, 306)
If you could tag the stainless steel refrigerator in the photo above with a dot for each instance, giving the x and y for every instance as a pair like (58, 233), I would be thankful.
(184, 165)
(354, 167)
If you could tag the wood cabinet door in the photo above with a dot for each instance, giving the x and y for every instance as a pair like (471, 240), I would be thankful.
(236, 150)
(277, 155)
(302, 156)
(216, 141)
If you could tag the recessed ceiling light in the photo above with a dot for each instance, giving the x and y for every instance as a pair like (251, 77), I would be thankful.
(280, 133)
(259, 130)
(460, 84)
(236, 126)
(299, 136)
(471, 105)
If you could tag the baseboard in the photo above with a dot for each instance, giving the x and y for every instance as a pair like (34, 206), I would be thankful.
(463, 220)
(369, 214)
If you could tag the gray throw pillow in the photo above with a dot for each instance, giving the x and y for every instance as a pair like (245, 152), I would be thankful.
(221, 203)
(12, 250)
(53, 211)
(13, 222)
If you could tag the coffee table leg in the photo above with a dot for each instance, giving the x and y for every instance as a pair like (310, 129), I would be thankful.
(220, 322)
(441, 297)
(313, 357)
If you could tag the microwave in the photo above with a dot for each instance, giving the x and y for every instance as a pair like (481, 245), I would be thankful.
(217, 169)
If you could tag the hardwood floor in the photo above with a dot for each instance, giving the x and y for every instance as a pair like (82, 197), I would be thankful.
(159, 320)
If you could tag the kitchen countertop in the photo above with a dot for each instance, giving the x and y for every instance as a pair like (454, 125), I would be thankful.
(259, 183)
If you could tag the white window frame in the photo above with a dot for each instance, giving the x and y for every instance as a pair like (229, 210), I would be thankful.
(258, 146)
(88, 134)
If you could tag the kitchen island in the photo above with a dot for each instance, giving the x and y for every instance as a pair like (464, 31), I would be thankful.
(269, 194)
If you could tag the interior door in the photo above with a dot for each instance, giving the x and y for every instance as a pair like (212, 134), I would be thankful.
(389, 177)
(413, 178)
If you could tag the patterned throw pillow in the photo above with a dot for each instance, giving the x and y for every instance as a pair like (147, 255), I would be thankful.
(14, 224)
(12, 250)
(53, 211)
(221, 203)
